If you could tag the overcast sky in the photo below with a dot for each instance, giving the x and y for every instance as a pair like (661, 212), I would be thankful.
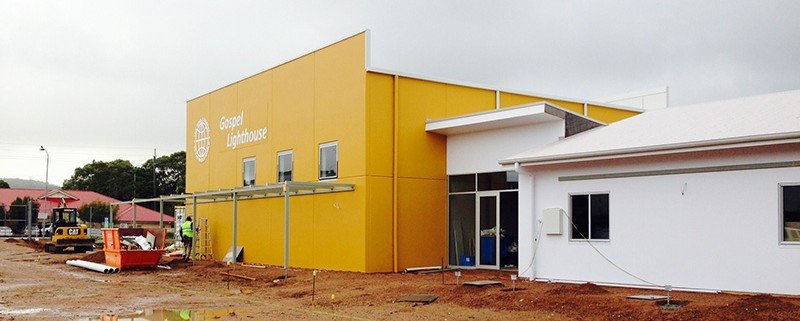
(105, 80)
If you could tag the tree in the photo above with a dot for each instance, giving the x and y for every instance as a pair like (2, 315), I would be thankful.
(19, 213)
(113, 178)
(123, 181)
(170, 178)
(96, 212)
(3, 214)
(4, 184)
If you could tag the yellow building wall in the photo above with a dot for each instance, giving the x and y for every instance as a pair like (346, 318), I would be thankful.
(609, 115)
(380, 162)
(314, 99)
(510, 100)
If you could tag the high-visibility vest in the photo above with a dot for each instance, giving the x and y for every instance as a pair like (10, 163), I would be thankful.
(186, 229)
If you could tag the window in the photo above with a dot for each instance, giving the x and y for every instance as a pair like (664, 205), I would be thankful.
(329, 160)
(790, 213)
(498, 181)
(285, 166)
(589, 214)
(462, 183)
(495, 181)
(249, 171)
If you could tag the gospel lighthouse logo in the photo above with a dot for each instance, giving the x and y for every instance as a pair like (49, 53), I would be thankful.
(202, 139)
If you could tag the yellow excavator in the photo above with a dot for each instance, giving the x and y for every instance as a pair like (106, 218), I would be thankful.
(65, 232)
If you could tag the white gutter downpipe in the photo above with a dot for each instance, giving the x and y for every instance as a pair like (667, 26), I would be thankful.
(102, 268)
(519, 170)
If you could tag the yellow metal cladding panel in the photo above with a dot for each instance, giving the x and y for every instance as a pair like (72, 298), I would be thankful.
(609, 115)
(422, 222)
(301, 232)
(465, 100)
(339, 229)
(219, 220)
(225, 164)
(380, 122)
(292, 111)
(421, 154)
(510, 100)
(339, 102)
(254, 97)
(198, 172)
(379, 224)
(255, 226)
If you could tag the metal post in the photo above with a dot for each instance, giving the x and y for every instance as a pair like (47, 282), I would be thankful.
(235, 225)
(46, 178)
(91, 223)
(155, 193)
(110, 216)
(195, 244)
(133, 204)
(285, 230)
(29, 209)
(161, 211)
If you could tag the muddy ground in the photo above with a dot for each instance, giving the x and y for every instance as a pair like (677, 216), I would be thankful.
(39, 286)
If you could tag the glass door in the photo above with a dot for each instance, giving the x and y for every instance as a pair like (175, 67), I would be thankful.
(487, 214)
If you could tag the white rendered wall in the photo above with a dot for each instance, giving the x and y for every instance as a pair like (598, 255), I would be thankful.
(480, 151)
(723, 233)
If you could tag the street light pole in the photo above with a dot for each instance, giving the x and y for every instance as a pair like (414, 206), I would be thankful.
(46, 179)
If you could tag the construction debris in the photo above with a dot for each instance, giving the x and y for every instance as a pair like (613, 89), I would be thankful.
(424, 268)
(102, 268)
(253, 266)
(483, 283)
(439, 271)
(238, 276)
(648, 297)
(418, 298)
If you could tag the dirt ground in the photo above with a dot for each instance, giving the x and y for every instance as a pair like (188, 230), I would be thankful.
(37, 285)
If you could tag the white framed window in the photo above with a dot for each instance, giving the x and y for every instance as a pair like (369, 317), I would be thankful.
(590, 216)
(249, 171)
(285, 165)
(329, 160)
(790, 213)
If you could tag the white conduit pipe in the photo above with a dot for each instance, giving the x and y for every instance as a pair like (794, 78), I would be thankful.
(102, 268)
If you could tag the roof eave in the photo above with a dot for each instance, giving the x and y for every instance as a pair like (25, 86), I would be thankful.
(707, 145)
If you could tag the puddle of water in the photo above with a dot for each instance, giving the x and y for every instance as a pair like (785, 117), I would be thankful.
(171, 315)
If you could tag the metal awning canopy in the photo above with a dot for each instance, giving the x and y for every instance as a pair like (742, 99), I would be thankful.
(284, 189)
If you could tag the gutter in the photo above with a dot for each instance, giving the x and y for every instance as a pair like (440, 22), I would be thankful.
(706, 145)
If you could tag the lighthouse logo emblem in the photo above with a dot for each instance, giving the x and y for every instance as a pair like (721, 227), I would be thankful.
(202, 140)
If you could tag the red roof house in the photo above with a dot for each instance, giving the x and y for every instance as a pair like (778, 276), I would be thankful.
(76, 199)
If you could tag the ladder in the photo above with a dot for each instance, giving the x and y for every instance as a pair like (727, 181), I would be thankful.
(203, 248)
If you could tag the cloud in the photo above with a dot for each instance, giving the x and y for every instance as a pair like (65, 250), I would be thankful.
(96, 76)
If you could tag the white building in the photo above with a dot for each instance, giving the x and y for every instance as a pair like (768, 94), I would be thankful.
(482, 194)
(703, 197)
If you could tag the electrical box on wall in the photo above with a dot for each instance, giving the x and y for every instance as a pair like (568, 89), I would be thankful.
(551, 221)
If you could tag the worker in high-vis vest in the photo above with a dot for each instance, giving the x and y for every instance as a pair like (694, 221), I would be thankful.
(187, 236)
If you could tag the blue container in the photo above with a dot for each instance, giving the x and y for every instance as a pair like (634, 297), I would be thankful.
(466, 260)
(487, 250)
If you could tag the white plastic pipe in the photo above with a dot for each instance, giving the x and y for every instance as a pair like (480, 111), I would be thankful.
(102, 268)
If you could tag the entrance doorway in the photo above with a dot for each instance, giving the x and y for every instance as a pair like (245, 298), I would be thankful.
(497, 248)
(483, 220)
(488, 241)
